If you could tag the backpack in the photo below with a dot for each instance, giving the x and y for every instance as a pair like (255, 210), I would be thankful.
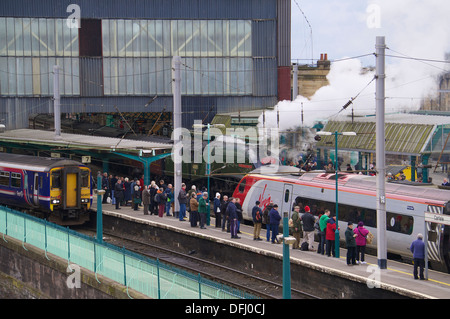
(304, 246)
(369, 238)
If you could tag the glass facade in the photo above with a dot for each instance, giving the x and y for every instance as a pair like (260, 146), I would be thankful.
(216, 54)
(28, 50)
(136, 58)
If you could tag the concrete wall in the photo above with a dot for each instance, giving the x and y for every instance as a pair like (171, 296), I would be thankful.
(28, 274)
(316, 280)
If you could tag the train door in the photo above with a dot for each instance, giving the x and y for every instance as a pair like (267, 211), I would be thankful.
(36, 189)
(286, 203)
(71, 190)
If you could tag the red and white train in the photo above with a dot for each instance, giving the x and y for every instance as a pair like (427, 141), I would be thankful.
(405, 206)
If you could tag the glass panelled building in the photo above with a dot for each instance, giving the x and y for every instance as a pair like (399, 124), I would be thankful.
(235, 55)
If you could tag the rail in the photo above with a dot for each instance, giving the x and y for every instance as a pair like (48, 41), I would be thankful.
(147, 276)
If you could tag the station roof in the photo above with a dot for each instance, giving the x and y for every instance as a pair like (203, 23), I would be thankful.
(80, 142)
(406, 134)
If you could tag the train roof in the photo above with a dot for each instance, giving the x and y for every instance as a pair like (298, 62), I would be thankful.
(368, 183)
(33, 162)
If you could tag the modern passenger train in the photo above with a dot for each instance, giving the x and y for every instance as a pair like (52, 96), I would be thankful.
(56, 189)
(405, 207)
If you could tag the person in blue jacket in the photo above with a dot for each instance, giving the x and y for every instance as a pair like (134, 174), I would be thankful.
(418, 250)
(232, 215)
(274, 217)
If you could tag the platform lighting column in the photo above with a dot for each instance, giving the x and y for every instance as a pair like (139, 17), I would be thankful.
(336, 166)
(208, 168)
(380, 153)
(295, 81)
(56, 102)
(100, 193)
(286, 260)
(177, 158)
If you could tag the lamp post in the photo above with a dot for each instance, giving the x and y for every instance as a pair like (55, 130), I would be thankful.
(208, 164)
(336, 234)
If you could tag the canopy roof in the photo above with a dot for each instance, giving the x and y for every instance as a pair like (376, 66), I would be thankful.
(406, 134)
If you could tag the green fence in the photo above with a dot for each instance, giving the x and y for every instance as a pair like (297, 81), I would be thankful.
(150, 277)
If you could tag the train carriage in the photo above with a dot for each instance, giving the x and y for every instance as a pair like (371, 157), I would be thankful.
(405, 206)
(56, 189)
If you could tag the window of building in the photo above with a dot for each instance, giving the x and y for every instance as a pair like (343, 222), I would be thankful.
(216, 56)
(29, 48)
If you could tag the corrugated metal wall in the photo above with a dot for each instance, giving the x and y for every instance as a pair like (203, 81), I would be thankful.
(147, 9)
(284, 32)
(91, 76)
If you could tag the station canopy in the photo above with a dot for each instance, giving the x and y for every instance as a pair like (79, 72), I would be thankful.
(405, 133)
(80, 142)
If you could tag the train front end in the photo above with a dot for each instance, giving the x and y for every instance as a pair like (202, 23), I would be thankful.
(70, 194)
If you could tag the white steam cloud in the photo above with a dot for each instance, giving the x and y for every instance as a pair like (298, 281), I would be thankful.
(412, 28)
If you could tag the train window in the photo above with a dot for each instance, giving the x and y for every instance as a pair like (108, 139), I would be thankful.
(4, 178)
(84, 178)
(16, 180)
(242, 186)
(286, 196)
(56, 179)
(399, 223)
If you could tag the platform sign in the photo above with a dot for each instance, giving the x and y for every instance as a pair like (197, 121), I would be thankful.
(437, 218)
(85, 159)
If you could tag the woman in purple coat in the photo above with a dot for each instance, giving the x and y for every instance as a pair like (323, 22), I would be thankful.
(361, 241)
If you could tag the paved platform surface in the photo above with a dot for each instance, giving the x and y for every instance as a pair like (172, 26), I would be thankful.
(397, 277)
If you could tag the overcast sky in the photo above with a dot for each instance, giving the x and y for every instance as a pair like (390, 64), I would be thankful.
(346, 28)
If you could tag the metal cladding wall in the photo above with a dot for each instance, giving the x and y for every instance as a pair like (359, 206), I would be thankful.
(145, 9)
(270, 55)
(284, 49)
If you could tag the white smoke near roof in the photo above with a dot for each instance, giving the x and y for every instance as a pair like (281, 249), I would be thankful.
(412, 28)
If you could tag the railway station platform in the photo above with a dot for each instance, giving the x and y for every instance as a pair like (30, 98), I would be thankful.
(397, 278)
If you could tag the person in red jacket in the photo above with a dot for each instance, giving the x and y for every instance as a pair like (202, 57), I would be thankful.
(329, 236)
(361, 241)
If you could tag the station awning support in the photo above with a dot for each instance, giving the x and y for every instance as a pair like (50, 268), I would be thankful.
(146, 161)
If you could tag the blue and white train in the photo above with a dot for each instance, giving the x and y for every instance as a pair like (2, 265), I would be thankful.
(58, 190)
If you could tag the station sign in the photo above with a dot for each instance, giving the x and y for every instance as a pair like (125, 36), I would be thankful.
(437, 218)
(85, 159)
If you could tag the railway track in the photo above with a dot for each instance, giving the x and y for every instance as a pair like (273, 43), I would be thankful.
(255, 285)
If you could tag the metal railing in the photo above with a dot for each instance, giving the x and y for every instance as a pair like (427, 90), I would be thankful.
(147, 276)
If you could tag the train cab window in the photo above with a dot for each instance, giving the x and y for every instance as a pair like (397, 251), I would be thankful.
(242, 186)
(84, 178)
(4, 178)
(56, 179)
(16, 180)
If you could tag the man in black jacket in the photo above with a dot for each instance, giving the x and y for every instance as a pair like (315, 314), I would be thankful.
(308, 228)
(182, 200)
(257, 220)
(233, 217)
(118, 192)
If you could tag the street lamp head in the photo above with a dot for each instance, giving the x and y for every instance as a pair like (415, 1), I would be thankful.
(324, 133)
(349, 133)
